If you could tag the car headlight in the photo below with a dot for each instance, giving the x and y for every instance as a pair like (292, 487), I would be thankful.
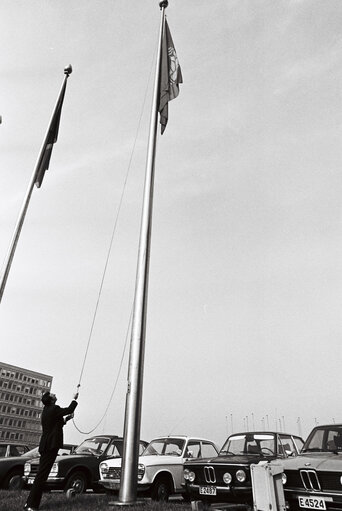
(27, 468)
(104, 469)
(54, 470)
(141, 471)
(227, 477)
(241, 476)
(191, 476)
(186, 474)
(284, 478)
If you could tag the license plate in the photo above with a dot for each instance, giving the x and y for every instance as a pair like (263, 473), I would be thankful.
(312, 502)
(30, 480)
(207, 490)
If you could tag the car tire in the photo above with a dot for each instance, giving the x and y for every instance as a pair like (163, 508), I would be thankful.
(161, 490)
(77, 481)
(13, 481)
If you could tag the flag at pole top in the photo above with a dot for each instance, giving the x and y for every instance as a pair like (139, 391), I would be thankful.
(51, 138)
(170, 76)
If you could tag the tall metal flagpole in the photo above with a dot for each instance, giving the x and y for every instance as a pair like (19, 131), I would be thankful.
(22, 214)
(129, 472)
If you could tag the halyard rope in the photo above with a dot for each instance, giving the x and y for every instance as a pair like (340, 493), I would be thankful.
(105, 270)
(113, 391)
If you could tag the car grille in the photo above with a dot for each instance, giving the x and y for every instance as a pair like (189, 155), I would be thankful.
(210, 474)
(114, 473)
(313, 480)
(34, 468)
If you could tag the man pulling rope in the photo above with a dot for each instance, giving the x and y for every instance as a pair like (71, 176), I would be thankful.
(51, 441)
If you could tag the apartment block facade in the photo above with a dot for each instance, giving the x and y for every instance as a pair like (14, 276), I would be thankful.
(20, 404)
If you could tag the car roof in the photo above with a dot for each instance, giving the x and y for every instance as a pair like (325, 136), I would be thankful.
(182, 437)
(105, 436)
(13, 443)
(112, 437)
(263, 433)
(328, 426)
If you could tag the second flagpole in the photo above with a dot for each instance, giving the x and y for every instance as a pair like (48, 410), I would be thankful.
(26, 202)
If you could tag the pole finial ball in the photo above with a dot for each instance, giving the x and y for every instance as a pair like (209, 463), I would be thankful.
(68, 70)
(163, 3)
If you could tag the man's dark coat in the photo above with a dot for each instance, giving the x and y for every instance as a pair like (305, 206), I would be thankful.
(52, 424)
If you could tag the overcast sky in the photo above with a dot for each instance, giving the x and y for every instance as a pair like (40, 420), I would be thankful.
(245, 294)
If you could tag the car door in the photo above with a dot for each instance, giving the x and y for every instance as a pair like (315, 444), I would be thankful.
(192, 451)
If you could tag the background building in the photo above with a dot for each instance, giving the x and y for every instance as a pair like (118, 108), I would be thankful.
(20, 404)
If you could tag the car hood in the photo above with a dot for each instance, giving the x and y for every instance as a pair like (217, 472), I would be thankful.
(230, 460)
(322, 461)
(149, 461)
(73, 457)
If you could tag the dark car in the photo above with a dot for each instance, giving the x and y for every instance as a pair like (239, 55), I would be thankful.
(227, 477)
(12, 468)
(314, 478)
(12, 449)
(80, 470)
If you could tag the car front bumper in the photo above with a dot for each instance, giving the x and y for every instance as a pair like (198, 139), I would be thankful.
(333, 500)
(114, 485)
(56, 483)
(223, 493)
(110, 484)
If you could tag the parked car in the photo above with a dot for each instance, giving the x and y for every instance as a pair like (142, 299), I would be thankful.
(79, 470)
(227, 477)
(314, 478)
(160, 467)
(12, 468)
(12, 449)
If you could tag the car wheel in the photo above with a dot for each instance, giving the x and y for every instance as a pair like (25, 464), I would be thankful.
(13, 481)
(161, 490)
(77, 481)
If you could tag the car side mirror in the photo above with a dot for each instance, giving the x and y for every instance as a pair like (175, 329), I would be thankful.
(290, 453)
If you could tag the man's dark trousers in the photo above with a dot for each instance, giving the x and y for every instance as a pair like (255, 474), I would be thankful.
(45, 464)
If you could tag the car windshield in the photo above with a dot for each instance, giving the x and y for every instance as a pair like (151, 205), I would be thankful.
(324, 440)
(165, 447)
(95, 446)
(249, 443)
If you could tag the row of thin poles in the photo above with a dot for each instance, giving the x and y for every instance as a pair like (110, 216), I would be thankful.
(251, 423)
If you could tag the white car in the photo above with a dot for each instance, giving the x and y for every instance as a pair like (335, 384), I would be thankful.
(160, 469)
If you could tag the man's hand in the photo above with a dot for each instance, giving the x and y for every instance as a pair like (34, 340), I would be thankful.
(68, 417)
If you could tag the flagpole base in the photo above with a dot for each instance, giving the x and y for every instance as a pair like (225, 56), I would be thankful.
(139, 502)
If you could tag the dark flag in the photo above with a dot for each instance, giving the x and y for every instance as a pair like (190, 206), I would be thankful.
(170, 76)
(51, 138)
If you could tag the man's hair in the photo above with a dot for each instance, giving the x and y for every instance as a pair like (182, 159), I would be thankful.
(46, 398)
